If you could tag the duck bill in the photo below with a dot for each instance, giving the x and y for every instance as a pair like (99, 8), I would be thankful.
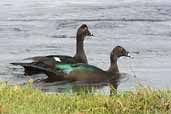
(127, 54)
(89, 33)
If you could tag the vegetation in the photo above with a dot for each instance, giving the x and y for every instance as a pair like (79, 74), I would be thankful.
(26, 100)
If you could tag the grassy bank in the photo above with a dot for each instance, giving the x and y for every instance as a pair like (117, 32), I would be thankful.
(25, 100)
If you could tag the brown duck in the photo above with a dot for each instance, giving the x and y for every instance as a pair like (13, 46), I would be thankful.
(84, 72)
(50, 60)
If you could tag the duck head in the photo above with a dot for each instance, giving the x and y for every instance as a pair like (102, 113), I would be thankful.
(83, 31)
(118, 52)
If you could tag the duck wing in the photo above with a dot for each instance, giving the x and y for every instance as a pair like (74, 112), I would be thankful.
(80, 67)
(44, 62)
(53, 59)
(81, 72)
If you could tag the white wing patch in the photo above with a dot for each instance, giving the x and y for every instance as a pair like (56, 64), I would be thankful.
(57, 59)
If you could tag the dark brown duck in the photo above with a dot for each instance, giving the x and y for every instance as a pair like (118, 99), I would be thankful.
(87, 73)
(50, 60)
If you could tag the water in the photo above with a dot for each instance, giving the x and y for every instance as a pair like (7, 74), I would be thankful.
(41, 27)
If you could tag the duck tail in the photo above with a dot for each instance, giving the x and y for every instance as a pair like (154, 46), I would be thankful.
(32, 69)
(52, 75)
(29, 68)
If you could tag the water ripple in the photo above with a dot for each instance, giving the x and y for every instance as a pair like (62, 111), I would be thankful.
(76, 20)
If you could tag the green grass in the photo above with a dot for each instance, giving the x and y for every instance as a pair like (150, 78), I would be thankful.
(26, 100)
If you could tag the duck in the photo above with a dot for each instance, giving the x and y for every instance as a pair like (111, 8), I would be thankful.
(87, 73)
(50, 60)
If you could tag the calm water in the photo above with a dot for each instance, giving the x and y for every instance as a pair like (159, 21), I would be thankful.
(41, 27)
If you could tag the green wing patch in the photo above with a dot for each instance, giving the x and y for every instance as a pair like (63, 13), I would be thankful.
(67, 68)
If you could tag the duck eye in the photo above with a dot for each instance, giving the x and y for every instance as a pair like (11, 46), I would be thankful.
(123, 51)
(84, 29)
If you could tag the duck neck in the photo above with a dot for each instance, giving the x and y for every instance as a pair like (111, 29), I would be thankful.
(113, 66)
(80, 53)
(79, 46)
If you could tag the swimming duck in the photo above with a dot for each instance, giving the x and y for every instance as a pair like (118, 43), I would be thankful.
(50, 60)
(86, 73)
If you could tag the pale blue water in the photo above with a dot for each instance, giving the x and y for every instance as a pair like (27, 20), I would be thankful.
(41, 27)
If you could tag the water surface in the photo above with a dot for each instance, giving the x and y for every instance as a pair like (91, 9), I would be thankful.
(41, 27)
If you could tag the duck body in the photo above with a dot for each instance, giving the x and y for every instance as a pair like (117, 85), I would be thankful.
(50, 60)
(81, 72)
(76, 72)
